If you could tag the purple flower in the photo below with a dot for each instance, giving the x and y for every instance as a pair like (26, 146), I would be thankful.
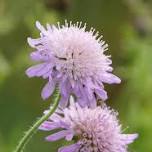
(73, 59)
(93, 130)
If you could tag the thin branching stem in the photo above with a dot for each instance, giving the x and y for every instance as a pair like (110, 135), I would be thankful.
(34, 128)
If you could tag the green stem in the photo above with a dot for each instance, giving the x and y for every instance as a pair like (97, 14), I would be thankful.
(33, 129)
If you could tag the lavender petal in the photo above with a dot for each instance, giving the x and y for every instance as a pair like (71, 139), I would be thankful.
(57, 136)
(70, 148)
(48, 89)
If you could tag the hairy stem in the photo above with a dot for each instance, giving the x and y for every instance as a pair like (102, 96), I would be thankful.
(33, 129)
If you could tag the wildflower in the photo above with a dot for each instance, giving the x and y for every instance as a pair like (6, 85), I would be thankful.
(74, 59)
(93, 130)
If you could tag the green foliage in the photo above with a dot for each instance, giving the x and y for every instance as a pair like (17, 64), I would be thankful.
(126, 26)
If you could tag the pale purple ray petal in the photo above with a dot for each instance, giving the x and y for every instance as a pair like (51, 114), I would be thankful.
(47, 68)
(88, 92)
(110, 78)
(101, 93)
(65, 89)
(48, 126)
(47, 74)
(70, 148)
(33, 42)
(129, 138)
(64, 101)
(76, 90)
(82, 98)
(48, 89)
(65, 86)
(64, 125)
(36, 56)
(41, 28)
(58, 135)
(69, 136)
(93, 102)
(90, 83)
(32, 71)
(89, 96)
(82, 102)
(55, 117)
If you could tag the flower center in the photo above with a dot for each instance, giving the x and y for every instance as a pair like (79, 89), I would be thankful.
(86, 140)
(88, 143)
(78, 64)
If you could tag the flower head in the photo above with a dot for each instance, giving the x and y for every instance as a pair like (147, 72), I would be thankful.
(74, 59)
(93, 130)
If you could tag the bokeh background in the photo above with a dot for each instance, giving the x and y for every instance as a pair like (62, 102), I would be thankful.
(127, 28)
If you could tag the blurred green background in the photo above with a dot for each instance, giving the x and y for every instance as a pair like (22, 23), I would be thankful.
(127, 28)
